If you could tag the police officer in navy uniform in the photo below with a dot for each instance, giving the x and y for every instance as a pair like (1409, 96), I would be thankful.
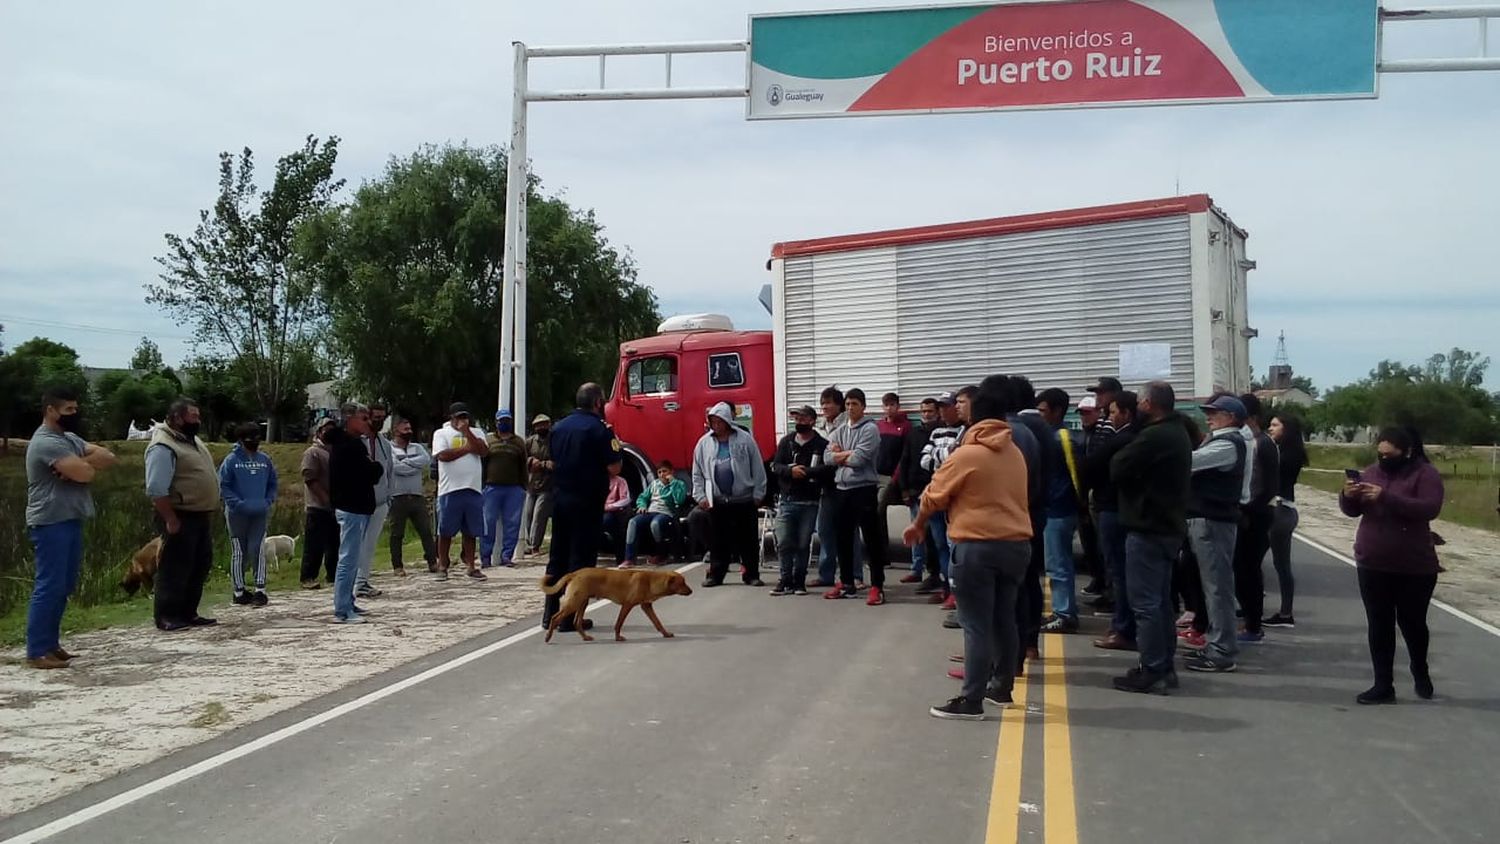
(582, 449)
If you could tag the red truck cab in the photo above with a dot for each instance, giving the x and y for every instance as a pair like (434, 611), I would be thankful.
(665, 384)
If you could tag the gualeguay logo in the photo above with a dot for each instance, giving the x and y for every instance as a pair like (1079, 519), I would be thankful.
(774, 95)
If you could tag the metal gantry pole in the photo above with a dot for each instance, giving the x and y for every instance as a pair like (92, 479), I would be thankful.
(1481, 14)
(513, 259)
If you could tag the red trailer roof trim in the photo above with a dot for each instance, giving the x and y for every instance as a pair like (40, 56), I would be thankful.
(1195, 204)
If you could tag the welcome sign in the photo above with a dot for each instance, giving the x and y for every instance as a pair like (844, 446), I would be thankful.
(1060, 55)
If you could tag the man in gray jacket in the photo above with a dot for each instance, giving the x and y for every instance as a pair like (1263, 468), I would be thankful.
(852, 448)
(409, 495)
(729, 481)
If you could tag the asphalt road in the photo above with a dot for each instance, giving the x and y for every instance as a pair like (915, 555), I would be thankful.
(803, 720)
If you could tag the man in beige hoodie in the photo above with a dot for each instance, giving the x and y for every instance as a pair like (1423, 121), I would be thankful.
(982, 487)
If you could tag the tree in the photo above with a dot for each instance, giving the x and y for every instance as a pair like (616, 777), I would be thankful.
(235, 277)
(29, 370)
(412, 270)
(147, 357)
(125, 399)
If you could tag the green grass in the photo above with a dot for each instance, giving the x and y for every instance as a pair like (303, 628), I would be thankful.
(121, 526)
(1467, 479)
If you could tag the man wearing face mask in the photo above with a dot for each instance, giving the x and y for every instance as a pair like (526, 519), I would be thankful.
(184, 488)
(59, 468)
(247, 483)
(537, 510)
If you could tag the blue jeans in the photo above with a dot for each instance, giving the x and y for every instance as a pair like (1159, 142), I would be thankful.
(352, 527)
(1112, 548)
(502, 516)
(795, 523)
(657, 523)
(59, 556)
(918, 551)
(1058, 539)
(1148, 564)
(828, 565)
(1213, 545)
(938, 524)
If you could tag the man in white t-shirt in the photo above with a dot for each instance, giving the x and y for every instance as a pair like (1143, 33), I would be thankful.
(458, 447)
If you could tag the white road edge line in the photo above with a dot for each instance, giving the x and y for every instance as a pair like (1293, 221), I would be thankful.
(125, 798)
(1447, 608)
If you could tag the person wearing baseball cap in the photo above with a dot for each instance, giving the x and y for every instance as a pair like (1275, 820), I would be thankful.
(801, 476)
(504, 490)
(537, 511)
(1219, 490)
(459, 448)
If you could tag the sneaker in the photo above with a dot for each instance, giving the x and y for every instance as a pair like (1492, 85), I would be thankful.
(1094, 589)
(65, 656)
(839, 593)
(242, 599)
(1375, 696)
(711, 582)
(912, 578)
(956, 673)
(1187, 619)
(1250, 638)
(1141, 681)
(200, 621)
(440, 574)
(1209, 665)
(361, 611)
(950, 603)
(349, 619)
(998, 697)
(1113, 641)
(756, 582)
(959, 709)
(1192, 639)
(399, 571)
(628, 564)
(930, 586)
(312, 584)
(510, 564)
(1278, 620)
(950, 621)
(365, 590)
(47, 662)
(1061, 624)
(260, 598)
(801, 589)
(781, 589)
(1421, 685)
(877, 597)
(474, 574)
(958, 658)
(485, 564)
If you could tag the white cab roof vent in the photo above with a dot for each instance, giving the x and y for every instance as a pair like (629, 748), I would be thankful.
(686, 323)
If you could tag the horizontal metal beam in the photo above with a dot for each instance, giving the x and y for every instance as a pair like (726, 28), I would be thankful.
(637, 94)
(668, 48)
(1441, 13)
(1439, 65)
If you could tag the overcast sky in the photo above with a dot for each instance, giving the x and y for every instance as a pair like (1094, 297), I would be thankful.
(1375, 223)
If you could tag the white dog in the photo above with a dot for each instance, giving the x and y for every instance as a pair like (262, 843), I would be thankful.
(276, 547)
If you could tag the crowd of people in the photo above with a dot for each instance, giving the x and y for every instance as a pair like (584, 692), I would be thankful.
(1174, 521)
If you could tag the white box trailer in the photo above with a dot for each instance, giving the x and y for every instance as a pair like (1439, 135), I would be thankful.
(1141, 290)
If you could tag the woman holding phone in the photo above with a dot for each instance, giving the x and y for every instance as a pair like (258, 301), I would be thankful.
(1396, 561)
(1286, 431)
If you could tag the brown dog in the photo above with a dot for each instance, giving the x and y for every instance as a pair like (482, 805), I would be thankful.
(142, 571)
(626, 588)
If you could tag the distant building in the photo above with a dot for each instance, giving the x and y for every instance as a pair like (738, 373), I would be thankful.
(321, 395)
(1285, 395)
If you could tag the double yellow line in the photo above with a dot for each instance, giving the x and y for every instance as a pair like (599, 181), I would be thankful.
(1059, 804)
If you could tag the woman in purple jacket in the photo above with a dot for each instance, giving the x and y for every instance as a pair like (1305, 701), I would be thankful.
(1397, 563)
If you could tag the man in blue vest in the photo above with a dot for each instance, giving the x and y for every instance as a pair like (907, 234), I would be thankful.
(582, 449)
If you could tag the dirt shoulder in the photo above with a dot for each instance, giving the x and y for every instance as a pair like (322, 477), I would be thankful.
(135, 694)
(1471, 556)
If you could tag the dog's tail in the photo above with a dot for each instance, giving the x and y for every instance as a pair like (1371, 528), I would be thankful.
(557, 587)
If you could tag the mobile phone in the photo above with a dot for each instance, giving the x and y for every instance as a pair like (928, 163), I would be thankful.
(1353, 475)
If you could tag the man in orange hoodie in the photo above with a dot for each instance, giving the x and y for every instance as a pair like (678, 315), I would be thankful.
(982, 487)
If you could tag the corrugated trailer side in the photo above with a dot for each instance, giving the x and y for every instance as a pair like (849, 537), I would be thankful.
(1060, 297)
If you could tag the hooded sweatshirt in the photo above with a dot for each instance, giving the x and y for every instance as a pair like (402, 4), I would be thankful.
(863, 439)
(747, 474)
(1394, 534)
(983, 487)
(247, 482)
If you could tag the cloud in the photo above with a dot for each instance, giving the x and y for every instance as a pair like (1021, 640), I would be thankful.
(115, 115)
